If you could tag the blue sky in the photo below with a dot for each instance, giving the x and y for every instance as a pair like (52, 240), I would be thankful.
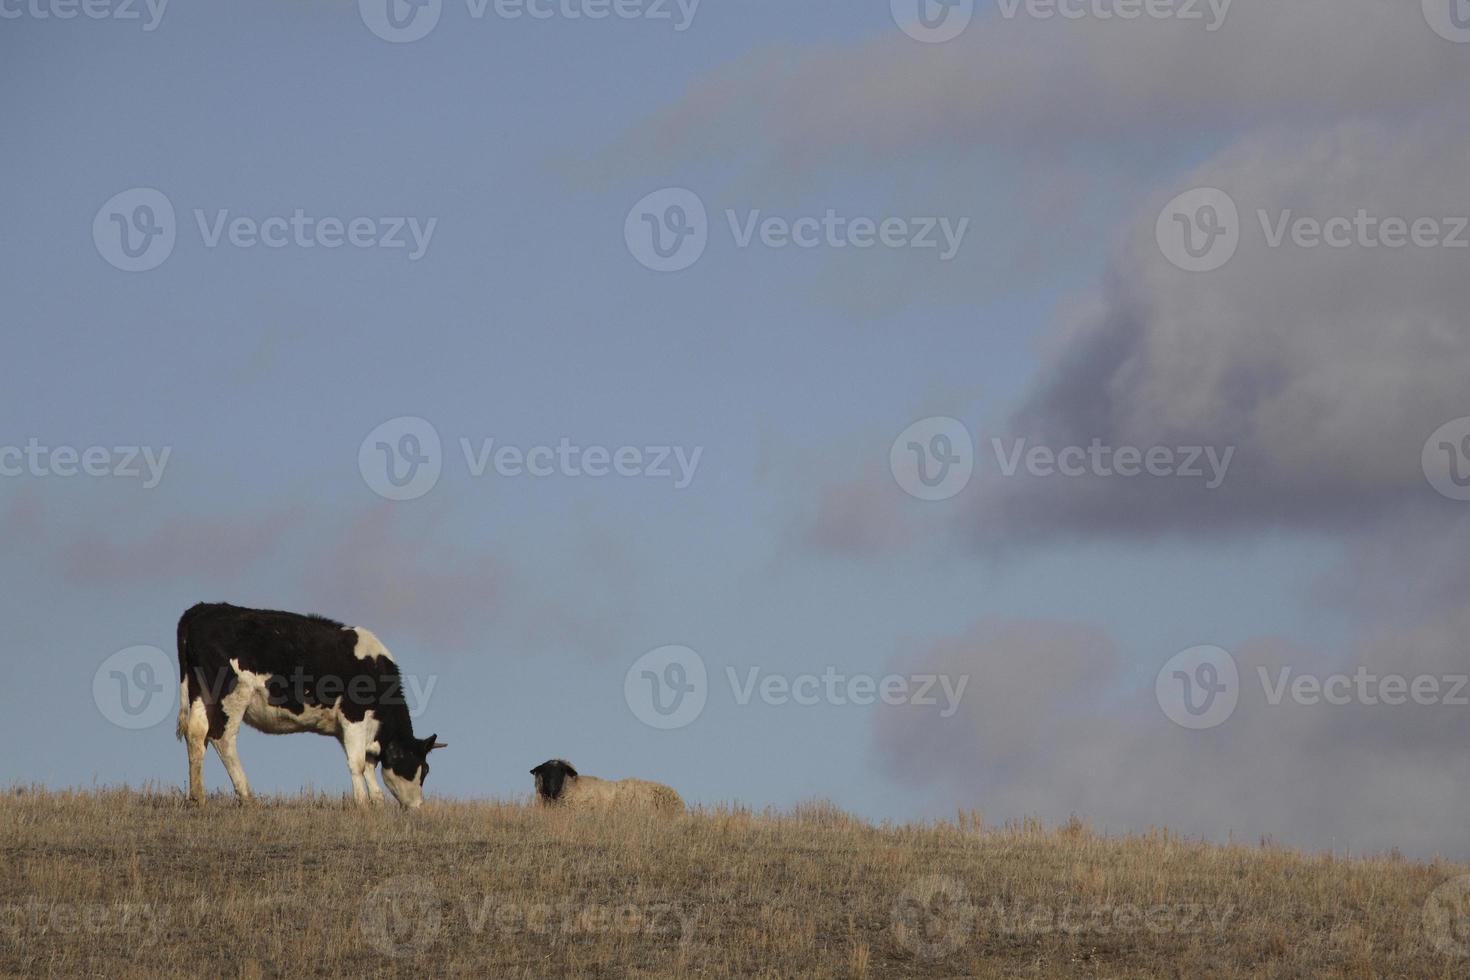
(527, 320)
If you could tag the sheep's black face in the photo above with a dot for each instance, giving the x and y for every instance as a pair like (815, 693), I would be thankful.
(551, 778)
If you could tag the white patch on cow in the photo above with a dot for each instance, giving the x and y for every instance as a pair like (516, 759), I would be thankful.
(408, 792)
(183, 723)
(251, 700)
(368, 645)
(356, 737)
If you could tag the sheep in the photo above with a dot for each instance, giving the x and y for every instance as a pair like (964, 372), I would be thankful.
(558, 784)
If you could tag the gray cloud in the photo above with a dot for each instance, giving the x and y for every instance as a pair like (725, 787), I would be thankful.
(206, 551)
(1052, 84)
(394, 574)
(1051, 725)
(1326, 368)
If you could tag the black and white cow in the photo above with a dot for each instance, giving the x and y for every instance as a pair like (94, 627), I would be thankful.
(280, 672)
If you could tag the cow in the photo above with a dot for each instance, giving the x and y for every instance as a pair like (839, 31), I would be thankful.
(282, 672)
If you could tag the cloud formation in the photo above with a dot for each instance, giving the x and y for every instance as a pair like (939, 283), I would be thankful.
(1050, 85)
(1326, 368)
(1053, 725)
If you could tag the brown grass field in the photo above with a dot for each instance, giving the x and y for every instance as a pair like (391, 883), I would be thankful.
(118, 883)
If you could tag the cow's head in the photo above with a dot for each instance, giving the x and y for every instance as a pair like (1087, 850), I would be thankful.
(406, 766)
(552, 776)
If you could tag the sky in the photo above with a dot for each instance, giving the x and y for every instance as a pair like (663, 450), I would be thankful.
(859, 321)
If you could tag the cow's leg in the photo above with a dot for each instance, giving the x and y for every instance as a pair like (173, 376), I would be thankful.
(195, 734)
(355, 743)
(233, 708)
(374, 788)
(229, 754)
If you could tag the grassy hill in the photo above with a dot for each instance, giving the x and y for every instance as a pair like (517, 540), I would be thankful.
(123, 884)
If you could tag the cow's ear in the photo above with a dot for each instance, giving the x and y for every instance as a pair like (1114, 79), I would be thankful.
(432, 742)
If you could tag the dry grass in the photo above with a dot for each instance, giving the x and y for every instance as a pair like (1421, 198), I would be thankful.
(121, 883)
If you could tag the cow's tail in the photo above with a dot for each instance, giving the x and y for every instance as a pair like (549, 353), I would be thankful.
(183, 726)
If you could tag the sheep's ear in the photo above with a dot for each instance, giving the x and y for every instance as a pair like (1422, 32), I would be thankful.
(569, 770)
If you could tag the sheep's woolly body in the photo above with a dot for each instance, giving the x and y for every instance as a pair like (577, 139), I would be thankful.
(589, 792)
